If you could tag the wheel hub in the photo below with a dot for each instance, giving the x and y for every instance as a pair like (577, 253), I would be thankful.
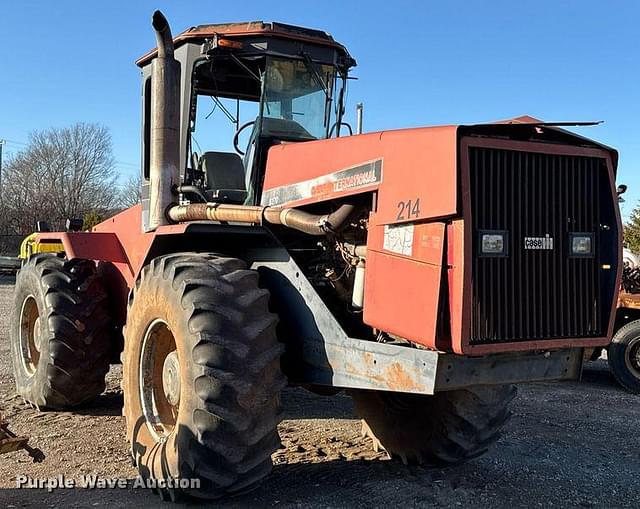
(37, 335)
(159, 380)
(632, 357)
(634, 353)
(30, 335)
(171, 378)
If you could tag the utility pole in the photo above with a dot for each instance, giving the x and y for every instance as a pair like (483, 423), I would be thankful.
(2, 142)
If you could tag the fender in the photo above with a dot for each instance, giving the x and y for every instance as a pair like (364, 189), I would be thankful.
(122, 249)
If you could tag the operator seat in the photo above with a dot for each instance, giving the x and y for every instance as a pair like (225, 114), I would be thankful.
(224, 174)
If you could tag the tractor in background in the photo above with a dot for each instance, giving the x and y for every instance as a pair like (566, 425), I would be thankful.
(425, 271)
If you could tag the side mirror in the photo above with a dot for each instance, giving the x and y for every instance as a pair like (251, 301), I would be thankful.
(621, 189)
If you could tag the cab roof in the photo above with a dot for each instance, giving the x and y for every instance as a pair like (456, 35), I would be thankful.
(199, 33)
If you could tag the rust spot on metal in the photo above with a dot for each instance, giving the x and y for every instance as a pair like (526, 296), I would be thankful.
(398, 379)
(351, 369)
(367, 371)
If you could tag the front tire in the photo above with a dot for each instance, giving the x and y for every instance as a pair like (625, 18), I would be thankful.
(201, 376)
(444, 429)
(61, 332)
(623, 356)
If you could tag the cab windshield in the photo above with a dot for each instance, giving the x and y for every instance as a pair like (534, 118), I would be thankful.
(297, 99)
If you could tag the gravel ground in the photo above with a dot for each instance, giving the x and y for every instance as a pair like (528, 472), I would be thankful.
(568, 445)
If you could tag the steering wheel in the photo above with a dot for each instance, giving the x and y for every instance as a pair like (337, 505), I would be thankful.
(235, 136)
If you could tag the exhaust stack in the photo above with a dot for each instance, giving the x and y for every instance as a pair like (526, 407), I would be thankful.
(359, 114)
(164, 168)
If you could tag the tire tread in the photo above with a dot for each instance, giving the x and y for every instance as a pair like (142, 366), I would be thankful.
(79, 331)
(234, 429)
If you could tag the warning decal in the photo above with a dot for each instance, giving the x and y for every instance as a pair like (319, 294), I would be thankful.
(398, 238)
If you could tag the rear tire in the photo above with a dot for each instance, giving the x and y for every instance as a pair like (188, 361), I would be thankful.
(61, 332)
(623, 355)
(219, 424)
(444, 429)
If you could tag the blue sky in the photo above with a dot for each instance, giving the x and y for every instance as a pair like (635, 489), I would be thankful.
(419, 63)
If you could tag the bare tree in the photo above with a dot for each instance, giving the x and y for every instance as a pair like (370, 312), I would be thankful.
(131, 192)
(62, 173)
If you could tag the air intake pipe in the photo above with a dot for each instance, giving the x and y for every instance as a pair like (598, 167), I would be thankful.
(312, 224)
(164, 167)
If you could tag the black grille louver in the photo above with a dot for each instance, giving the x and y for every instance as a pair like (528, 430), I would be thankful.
(538, 294)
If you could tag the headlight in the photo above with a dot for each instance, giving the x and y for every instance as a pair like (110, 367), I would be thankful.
(493, 243)
(581, 244)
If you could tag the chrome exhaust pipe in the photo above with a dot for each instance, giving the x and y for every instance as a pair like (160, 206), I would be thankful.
(164, 167)
(359, 114)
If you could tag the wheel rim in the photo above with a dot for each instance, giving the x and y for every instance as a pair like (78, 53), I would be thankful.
(159, 380)
(632, 357)
(30, 335)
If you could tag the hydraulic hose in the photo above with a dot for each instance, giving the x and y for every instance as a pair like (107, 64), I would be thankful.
(187, 189)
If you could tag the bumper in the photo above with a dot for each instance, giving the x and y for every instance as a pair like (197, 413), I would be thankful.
(361, 364)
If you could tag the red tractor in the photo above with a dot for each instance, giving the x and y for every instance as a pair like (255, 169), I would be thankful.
(424, 270)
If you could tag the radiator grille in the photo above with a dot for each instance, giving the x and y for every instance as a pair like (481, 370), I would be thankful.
(536, 294)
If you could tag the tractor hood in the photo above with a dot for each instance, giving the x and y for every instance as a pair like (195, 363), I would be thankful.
(422, 159)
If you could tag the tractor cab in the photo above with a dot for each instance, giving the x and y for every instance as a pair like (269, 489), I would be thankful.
(245, 87)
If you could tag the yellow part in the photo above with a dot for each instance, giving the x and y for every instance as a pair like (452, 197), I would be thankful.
(30, 246)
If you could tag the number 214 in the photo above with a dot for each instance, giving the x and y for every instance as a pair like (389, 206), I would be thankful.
(408, 209)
